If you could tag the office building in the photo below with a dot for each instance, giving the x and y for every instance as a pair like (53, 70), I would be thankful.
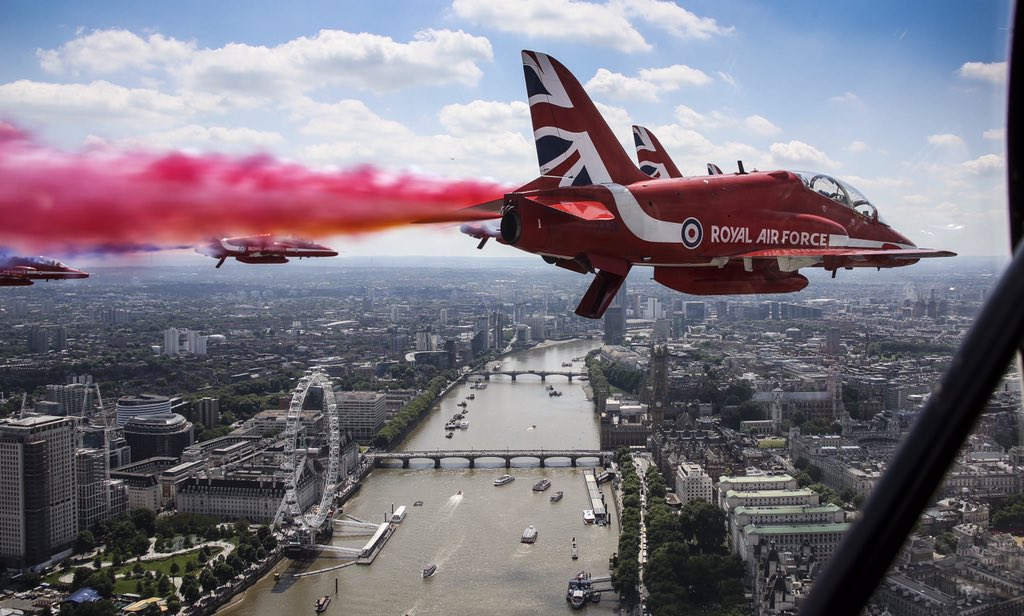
(151, 436)
(362, 413)
(38, 500)
(171, 340)
(692, 483)
(144, 404)
(77, 399)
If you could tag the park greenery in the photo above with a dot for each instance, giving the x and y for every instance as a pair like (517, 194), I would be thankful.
(116, 547)
(688, 568)
(416, 408)
(1008, 514)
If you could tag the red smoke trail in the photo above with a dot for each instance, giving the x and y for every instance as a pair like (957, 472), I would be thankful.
(106, 201)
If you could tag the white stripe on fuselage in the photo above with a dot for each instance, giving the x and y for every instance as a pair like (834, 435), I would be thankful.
(642, 224)
(842, 241)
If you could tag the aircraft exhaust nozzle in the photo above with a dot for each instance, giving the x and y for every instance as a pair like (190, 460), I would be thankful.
(511, 227)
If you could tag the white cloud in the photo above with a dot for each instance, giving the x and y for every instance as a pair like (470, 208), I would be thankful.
(800, 153)
(946, 140)
(650, 83)
(989, 164)
(619, 86)
(252, 73)
(857, 147)
(671, 18)
(365, 61)
(617, 117)
(727, 78)
(672, 77)
(992, 72)
(916, 199)
(848, 98)
(995, 134)
(349, 132)
(480, 116)
(690, 118)
(99, 100)
(579, 22)
(202, 138)
(761, 125)
(108, 51)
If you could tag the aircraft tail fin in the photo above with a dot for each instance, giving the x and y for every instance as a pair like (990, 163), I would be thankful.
(574, 143)
(654, 159)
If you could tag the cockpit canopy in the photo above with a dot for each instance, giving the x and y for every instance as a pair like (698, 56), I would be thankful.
(840, 192)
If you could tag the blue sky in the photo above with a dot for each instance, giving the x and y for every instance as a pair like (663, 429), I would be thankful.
(904, 100)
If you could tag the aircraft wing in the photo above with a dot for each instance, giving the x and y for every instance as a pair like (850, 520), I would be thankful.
(848, 253)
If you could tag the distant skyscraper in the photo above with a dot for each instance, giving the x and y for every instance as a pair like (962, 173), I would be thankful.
(77, 399)
(38, 340)
(832, 342)
(443, 318)
(37, 479)
(614, 324)
(172, 339)
(696, 312)
(361, 413)
(60, 338)
(207, 411)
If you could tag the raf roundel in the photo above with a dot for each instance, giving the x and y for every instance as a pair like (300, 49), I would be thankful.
(693, 233)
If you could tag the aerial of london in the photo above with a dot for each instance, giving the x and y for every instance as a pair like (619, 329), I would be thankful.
(511, 307)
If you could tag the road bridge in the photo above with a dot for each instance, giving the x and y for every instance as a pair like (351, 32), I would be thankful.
(543, 374)
(472, 455)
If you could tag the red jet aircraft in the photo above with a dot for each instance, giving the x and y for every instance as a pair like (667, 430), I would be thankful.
(263, 249)
(21, 271)
(592, 211)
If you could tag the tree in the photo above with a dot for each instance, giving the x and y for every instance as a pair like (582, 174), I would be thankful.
(208, 580)
(190, 592)
(175, 569)
(704, 525)
(84, 542)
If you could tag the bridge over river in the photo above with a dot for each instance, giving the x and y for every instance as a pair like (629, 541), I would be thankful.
(543, 374)
(603, 458)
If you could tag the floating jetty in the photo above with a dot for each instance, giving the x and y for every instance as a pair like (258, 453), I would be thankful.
(596, 497)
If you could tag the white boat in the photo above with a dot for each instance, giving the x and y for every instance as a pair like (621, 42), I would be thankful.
(588, 516)
(429, 570)
(464, 424)
(529, 535)
(500, 481)
(398, 515)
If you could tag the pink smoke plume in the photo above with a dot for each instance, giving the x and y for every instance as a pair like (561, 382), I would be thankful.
(110, 201)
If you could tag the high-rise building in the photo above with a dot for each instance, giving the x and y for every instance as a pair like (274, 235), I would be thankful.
(91, 470)
(614, 324)
(144, 404)
(443, 318)
(832, 342)
(20, 308)
(207, 411)
(172, 338)
(362, 413)
(38, 511)
(60, 338)
(78, 399)
(696, 312)
(38, 340)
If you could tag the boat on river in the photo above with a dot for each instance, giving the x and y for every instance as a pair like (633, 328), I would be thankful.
(504, 479)
(541, 485)
(574, 551)
(529, 535)
(429, 570)
(557, 496)
(322, 604)
(588, 516)
(463, 403)
(449, 434)
(471, 397)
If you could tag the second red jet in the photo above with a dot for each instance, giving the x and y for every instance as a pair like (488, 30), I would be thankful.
(263, 249)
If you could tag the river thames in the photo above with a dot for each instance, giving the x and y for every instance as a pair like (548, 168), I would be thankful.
(473, 538)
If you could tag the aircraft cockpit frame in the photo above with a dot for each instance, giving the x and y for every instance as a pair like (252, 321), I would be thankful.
(841, 192)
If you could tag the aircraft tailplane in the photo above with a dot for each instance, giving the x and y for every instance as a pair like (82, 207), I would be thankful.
(654, 160)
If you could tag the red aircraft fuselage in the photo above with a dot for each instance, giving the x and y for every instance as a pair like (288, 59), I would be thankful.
(264, 249)
(21, 271)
